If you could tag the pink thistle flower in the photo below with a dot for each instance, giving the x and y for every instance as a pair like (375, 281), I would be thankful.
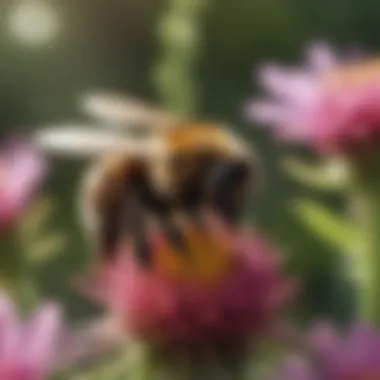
(227, 289)
(27, 350)
(328, 104)
(353, 357)
(22, 169)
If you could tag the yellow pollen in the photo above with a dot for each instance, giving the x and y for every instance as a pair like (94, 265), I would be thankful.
(207, 259)
(354, 74)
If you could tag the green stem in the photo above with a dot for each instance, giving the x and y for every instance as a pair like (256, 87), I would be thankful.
(148, 363)
(366, 202)
(175, 73)
(368, 263)
(143, 363)
(15, 273)
(10, 262)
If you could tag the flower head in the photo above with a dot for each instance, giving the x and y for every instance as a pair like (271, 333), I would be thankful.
(22, 169)
(353, 357)
(328, 104)
(27, 349)
(225, 289)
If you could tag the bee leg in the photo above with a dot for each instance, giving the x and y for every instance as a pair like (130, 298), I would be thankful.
(136, 226)
(196, 217)
(110, 230)
(123, 215)
(108, 238)
(226, 191)
(174, 235)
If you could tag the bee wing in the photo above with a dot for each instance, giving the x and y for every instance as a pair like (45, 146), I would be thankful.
(83, 142)
(124, 112)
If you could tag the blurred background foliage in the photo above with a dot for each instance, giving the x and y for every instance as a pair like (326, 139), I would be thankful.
(54, 50)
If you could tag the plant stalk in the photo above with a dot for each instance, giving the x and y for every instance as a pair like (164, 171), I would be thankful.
(366, 202)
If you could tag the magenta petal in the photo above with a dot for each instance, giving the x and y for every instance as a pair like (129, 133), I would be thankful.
(9, 331)
(321, 57)
(27, 168)
(27, 350)
(274, 79)
(40, 339)
(22, 168)
(307, 105)
(358, 348)
(296, 368)
(354, 356)
(290, 86)
(325, 339)
(266, 112)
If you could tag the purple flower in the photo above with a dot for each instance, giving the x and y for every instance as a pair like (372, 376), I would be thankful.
(329, 104)
(355, 356)
(27, 349)
(22, 168)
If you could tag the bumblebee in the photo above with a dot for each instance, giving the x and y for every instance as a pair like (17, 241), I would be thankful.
(152, 169)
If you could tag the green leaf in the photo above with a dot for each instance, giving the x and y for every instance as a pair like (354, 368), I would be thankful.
(331, 175)
(38, 214)
(45, 249)
(26, 294)
(115, 368)
(37, 241)
(333, 229)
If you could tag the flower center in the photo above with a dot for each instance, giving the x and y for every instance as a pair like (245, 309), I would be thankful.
(207, 259)
(354, 74)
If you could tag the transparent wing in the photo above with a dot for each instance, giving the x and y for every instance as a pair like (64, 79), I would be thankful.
(83, 142)
(124, 112)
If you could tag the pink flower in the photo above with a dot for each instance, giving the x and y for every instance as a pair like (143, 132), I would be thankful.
(328, 104)
(356, 356)
(22, 169)
(226, 290)
(27, 349)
